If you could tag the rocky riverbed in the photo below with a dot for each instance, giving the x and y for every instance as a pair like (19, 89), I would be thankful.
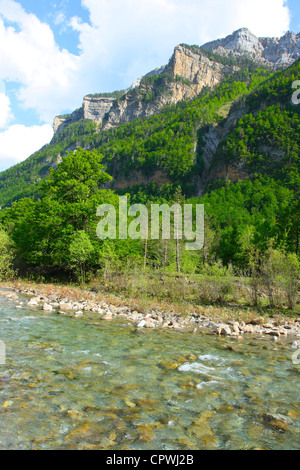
(100, 381)
(58, 303)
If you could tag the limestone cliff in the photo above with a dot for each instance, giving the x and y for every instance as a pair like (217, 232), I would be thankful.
(189, 70)
(276, 53)
(197, 69)
(147, 100)
(186, 74)
(94, 107)
(61, 122)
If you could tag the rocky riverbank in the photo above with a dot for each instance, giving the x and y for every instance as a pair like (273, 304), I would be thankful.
(89, 305)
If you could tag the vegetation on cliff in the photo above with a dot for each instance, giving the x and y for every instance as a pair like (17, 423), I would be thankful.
(165, 141)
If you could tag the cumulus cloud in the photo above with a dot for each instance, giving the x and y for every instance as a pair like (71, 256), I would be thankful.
(19, 141)
(124, 39)
(31, 57)
(5, 110)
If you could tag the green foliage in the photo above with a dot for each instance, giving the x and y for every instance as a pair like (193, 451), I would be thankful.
(6, 255)
(165, 141)
(247, 215)
(43, 230)
(268, 141)
(280, 274)
(80, 251)
(114, 94)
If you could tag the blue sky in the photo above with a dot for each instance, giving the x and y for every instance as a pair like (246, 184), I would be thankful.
(54, 52)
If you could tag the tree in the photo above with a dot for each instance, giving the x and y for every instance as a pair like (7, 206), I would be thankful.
(6, 255)
(178, 201)
(77, 178)
(80, 251)
(43, 229)
(280, 272)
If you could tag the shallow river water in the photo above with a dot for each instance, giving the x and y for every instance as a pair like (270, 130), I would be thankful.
(72, 384)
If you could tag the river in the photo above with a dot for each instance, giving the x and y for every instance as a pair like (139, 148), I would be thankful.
(80, 384)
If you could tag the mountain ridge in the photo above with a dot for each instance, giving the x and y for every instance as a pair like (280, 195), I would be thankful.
(192, 64)
(177, 126)
(274, 52)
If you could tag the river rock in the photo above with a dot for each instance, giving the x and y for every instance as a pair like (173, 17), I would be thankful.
(224, 330)
(108, 316)
(47, 307)
(78, 314)
(278, 421)
(33, 301)
(150, 324)
(247, 329)
(65, 306)
(213, 327)
(272, 332)
(12, 296)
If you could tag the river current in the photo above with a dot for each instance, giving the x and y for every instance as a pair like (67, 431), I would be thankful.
(85, 384)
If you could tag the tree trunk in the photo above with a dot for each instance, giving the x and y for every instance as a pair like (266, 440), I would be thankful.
(166, 253)
(146, 250)
(177, 252)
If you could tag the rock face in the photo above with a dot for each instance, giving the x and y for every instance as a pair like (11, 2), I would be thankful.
(187, 73)
(273, 52)
(195, 71)
(135, 104)
(95, 107)
(61, 122)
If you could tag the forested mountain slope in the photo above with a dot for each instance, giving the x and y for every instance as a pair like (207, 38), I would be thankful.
(239, 123)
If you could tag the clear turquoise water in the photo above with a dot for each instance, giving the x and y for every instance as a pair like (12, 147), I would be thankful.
(70, 384)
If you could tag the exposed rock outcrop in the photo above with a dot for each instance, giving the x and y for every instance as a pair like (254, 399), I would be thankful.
(136, 104)
(61, 122)
(273, 52)
(195, 71)
(94, 107)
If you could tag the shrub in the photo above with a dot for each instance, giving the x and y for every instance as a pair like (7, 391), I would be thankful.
(280, 274)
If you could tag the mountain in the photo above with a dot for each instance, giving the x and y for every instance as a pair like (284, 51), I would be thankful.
(197, 70)
(186, 74)
(277, 53)
(217, 112)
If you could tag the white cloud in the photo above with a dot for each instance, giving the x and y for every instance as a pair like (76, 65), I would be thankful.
(5, 110)
(126, 38)
(130, 37)
(31, 57)
(19, 142)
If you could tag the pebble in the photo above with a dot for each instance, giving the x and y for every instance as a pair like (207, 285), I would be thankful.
(47, 308)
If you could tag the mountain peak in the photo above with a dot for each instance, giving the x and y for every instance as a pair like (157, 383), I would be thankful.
(242, 30)
(240, 41)
(273, 52)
